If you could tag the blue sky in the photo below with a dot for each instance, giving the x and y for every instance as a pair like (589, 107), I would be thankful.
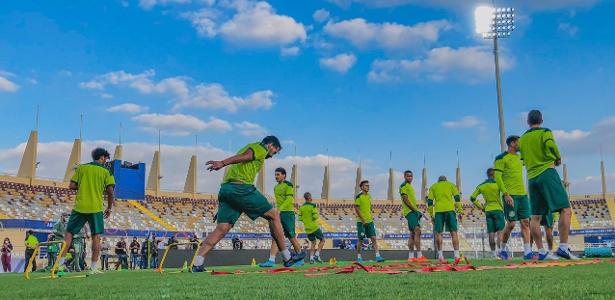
(360, 78)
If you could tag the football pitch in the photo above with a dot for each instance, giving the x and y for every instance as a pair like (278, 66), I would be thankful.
(585, 281)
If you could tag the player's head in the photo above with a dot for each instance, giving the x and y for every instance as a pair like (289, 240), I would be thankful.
(408, 176)
(513, 142)
(100, 155)
(364, 185)
(134, 238)
(7, 241)
(272, 144)
(442, 178)
(491, 173)
(280, 174)
(307, 196)
(534, 118)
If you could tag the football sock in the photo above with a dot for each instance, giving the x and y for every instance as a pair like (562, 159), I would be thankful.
(285, 254)
(563, 246)
(271, 257)
(410, 254)
(527, 248)
(456, 252)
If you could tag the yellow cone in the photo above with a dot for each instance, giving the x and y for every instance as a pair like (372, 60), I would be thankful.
(185, 267)
(253, 262)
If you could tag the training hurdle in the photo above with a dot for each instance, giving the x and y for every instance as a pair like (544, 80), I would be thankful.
(37, 250)
(166, 252)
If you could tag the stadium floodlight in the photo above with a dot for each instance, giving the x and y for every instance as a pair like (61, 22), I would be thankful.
(494, 23)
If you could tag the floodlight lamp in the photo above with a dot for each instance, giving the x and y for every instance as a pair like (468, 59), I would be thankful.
(482, 17)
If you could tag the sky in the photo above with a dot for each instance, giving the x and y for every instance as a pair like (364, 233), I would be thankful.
(377, 83)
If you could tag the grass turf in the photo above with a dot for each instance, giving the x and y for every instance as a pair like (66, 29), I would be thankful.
(578, 282)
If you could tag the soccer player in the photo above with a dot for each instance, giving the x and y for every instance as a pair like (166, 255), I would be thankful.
(365, 221)
(90, 180)
(509, 178)
(285, 203)
(412, 214)
(308, 214)
(443, 200)
(238, 195)
(493, 209)
(548, 195)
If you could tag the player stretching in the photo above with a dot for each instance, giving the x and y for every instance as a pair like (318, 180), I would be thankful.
(238, 195)
(285, 203)
(412, 214)
(90, 180)
(308, 214)
(365, 221)
(548, 195)
(493, 208)
(443, 201)
(509, 177)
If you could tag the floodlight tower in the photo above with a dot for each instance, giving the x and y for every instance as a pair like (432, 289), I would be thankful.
(495, 23)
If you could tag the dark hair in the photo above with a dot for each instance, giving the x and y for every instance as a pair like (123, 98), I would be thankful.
(281, 170)
(511, 139)
(408, 171)
(442, 178)
(272, 140)
(534, 117)
(490, 171)
(306, 194)
(363, 182)
(99, 152)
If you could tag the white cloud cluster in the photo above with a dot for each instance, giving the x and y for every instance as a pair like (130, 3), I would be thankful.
(209, 96)
(149, 4)
(340, 63)
(389, 36)
(531, 5)
(180, 124)
(6, 85)
(321, 15)
(253, 24)
(465, 122)
(577, 141)
(250, 129)
(470, 64)
(128, 108)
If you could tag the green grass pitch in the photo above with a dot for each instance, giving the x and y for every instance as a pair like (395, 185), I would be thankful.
(593, 281)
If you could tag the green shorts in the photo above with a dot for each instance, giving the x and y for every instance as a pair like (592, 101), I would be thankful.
(414, 220)
(288, 223)
(235, 199)
(548, 193)
(495, 221)
(366, 230)
(316, 235)
(521, 211)
(547, 220)
(446, 219)
(77, 220)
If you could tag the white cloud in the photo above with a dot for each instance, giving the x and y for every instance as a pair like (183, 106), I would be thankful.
(149, 4)
(531, 5)
(106, 96)
(214, 96)
(390, 36)
(569, 29)
(579, 141)
(180, 124)
(211, 96)
(251, 129)
(253, 24)
(128, 107)
(290, 51)
(7, 86)
(470, 64)
(340, 63)
(321, 15)
(465, 122)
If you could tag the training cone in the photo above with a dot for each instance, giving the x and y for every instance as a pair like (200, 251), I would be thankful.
(332, 261)
(253, 262)
(185, 267)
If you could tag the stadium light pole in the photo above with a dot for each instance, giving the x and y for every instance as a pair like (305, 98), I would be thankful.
(495, 23)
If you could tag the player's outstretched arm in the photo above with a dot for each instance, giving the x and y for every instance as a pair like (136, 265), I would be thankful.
(215, 165)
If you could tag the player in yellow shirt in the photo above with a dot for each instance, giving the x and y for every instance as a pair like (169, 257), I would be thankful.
(238, 195)
(411, 212)
(493, 209)
(444, 206)
(365, 221)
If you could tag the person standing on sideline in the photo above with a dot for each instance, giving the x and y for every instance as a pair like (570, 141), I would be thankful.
(7, 249)
(134, 253)
(31, 242)
(104, 253)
